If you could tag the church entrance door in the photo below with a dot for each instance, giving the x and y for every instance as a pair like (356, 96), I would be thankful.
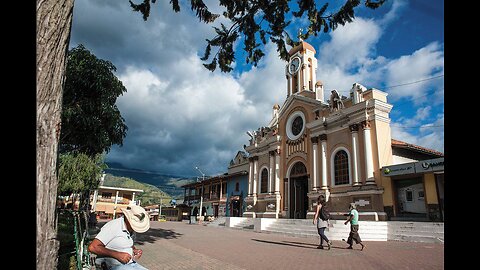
(298, 191)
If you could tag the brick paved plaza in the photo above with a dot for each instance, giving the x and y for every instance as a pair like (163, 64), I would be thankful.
(178, 245)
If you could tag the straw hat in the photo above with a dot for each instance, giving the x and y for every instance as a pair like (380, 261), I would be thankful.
(353, 205)
(137, 217)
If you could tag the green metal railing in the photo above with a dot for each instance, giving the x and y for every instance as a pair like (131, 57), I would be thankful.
(82, 237)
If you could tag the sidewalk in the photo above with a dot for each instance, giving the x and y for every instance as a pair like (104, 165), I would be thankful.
(178, 245)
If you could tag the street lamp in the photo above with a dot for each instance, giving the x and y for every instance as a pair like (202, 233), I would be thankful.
(201, 194)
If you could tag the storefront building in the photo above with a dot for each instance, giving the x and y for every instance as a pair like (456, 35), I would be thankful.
(414, 186)
(212, 200)
(237, 185)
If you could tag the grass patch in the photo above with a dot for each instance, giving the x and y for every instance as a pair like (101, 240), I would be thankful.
(66, 252)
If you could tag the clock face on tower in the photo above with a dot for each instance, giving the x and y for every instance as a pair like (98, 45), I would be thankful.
(294, 65)
(295, 125)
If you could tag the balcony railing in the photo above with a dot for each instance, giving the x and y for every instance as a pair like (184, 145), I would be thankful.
(112, 200)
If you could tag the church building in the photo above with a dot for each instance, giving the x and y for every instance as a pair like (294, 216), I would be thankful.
(311, 147)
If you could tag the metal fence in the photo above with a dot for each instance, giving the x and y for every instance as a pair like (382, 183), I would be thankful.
(82, 239)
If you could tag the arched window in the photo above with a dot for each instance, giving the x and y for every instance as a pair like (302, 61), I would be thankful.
(340, 163)
(264, 181)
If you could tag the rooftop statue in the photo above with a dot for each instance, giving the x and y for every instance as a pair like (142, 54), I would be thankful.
(336, 102)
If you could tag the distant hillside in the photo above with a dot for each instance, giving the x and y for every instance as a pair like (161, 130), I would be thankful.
(151, 194)
(170, 184)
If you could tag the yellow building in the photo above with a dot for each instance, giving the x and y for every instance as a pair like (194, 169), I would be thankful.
(311, 147)
(107, 201)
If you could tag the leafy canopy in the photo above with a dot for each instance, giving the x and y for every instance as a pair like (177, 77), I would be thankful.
(79, 173)
(91, 121)
(259, 20)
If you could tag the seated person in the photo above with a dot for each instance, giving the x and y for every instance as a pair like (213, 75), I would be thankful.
(113, 245)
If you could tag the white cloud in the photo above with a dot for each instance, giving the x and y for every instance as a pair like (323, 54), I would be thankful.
(430, 134)
(181, 115)
(424, 63)
(350, 46)
(397, 7)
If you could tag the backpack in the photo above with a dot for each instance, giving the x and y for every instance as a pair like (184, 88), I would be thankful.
(324, 213)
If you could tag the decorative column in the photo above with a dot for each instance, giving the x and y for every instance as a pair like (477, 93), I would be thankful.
(323, 151)
(314, 75)
(289, 84)
(368, 154)
(298, 80)
(250, 177)
(94, 203)
(316, 184)
(255, 177)
(356, 163)
(304, 75)
(133, 197)
(221, 191)
(115, 205)
(277, 182)
(271, 173)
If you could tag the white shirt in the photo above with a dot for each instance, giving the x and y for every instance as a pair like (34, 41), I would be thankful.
(114, 235)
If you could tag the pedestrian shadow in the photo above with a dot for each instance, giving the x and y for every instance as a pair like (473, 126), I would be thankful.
(286, 243)
(152, 235)
(301, 243)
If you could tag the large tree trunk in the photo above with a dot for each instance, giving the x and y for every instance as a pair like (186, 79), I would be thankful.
(54, 22)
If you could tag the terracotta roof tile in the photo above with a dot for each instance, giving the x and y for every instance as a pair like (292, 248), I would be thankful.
(400, 144)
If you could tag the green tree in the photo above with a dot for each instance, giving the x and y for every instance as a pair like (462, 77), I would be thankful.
(91, 122)
(53, 27)
(259, 20)
(79, 173)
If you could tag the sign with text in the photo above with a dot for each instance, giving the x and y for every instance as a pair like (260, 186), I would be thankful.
(430, 165)
(399, 169)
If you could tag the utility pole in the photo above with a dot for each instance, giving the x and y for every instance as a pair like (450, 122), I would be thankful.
(160, 209)
(201, 195)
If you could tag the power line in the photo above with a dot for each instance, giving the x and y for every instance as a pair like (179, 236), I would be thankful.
(403, 84)
(427, 79)
(400, 104)
(427, 126)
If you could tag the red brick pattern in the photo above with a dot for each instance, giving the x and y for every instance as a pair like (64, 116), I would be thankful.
(178, 245)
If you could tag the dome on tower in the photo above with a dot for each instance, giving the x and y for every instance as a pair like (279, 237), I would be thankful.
(301, 47)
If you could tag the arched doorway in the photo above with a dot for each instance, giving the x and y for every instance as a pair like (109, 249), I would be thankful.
(298, 189)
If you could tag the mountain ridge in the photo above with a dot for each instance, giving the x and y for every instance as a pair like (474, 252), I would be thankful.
(169, 184)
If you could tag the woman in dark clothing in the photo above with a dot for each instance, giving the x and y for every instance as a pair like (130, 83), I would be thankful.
(321, 224)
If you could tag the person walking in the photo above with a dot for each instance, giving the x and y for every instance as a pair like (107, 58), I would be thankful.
(353, 219)
(113, 245)
(322, 222)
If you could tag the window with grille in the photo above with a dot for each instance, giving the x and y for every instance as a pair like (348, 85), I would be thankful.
(264, 181)
(341, 168)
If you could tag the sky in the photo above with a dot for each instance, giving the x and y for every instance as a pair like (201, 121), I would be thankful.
(180, 115)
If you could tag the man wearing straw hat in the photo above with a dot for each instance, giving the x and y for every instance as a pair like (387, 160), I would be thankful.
(113, 245)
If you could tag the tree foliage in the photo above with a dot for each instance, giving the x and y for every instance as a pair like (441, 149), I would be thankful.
(79, 173)
(259, 20)
(91, 121)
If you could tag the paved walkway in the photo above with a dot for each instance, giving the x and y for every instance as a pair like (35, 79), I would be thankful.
(178, 245)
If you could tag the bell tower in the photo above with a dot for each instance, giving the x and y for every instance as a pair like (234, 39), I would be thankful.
(301, 69)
